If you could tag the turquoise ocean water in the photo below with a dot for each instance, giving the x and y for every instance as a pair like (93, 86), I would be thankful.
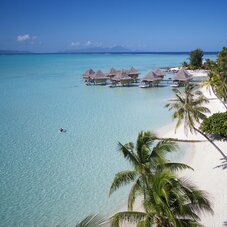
(49, 178)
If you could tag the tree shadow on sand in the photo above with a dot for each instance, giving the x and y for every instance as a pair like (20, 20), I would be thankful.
(217, 137)
(223, 165)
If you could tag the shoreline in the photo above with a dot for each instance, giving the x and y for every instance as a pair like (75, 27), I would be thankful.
(203, 158)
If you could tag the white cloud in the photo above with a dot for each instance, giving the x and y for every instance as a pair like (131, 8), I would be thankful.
(75, 43)
(88, 43)
(27, 38)
(22, 38)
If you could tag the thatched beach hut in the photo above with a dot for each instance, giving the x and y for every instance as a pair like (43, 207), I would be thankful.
(133, 73)
(182, 77)
(99, 77)
(151, 79)
(112, 72)
(122, 78)
(159, 73)
(87, 75)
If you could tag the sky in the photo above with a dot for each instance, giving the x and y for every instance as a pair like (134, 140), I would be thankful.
(144, 25)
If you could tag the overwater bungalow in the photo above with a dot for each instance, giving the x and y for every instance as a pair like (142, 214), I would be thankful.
(122, 78)
(99, 77)
(112, 72)
(182, 77)
(133, 73)
(159, 73)
(151, 79)
(87, 75)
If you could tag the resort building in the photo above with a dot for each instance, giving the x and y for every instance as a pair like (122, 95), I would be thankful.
(133, 73)
(122, 78)
(159, 73)
(182, 77)
(99, 77)
(112, 72)
(151, 79)
(87, 75)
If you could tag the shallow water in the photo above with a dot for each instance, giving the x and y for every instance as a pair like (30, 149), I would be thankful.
(48, 177)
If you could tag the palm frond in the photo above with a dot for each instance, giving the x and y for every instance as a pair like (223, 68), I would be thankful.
(92, 221)
(128, 153)
(136, 187)
(121, 179)
(129, 216)
(144, 141)
(176, 166)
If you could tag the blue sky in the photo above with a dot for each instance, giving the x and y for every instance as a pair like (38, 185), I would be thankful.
(161, 25)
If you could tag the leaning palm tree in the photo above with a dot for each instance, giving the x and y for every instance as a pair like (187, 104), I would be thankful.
(146, 160)
(188, 109)
(170, 201)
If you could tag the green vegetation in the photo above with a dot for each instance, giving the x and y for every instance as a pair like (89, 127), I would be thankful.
(188, 109)
(196, 59)
(221, 74)
(217, 78)
(215, 124)
(217, 82)
(222, 60)
(208, 64)
(167, 199)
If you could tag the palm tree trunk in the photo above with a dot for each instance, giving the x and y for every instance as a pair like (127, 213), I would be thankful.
(220, 151)
(179, 140)
(219, 98)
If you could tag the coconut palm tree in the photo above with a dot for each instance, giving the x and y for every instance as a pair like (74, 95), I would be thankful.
(217, 84)
(221, 89)
(146, 160)
(170, 201)
(188, 109)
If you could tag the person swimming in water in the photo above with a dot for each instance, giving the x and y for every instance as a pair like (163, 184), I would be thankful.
(61, 130)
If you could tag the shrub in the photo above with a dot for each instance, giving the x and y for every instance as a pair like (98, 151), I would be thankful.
(222, 59)
(215, 124)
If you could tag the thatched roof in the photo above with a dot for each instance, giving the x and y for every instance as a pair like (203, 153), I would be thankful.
(132, 71)
(159, 72)
(112, 72)
(122, 75)
(182, 75)
(151, 76)
(99, 75)
(88, 73)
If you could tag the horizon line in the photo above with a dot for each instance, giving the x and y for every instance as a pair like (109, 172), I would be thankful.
(14, 52)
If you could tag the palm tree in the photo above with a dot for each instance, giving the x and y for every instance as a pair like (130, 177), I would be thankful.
(146, 160)
(170, 201)
(216, 83)
(221, 90)
(188, 108)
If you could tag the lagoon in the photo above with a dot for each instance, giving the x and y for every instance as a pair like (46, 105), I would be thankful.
(50, 178)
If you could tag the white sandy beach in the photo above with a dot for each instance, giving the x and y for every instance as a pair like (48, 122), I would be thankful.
(195, 73)
(203, 157)
(198, 72)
